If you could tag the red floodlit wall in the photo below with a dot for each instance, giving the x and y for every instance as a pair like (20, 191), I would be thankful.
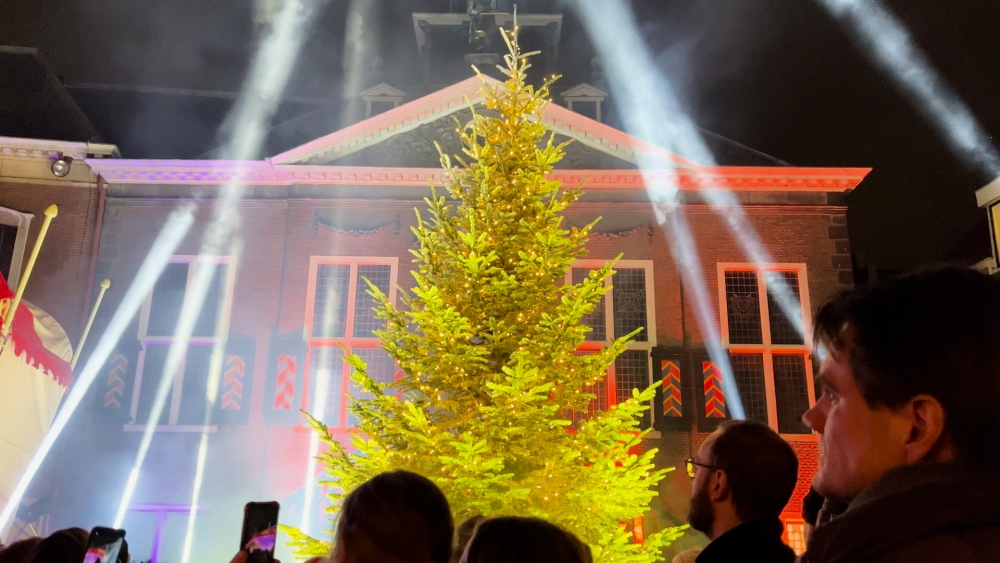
(278, 237)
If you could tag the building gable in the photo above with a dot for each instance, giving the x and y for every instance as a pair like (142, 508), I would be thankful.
(417, 148)
(405, 136)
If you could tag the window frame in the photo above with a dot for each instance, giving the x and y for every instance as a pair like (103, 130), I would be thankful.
(348, 340)
(611, 381)
(766, 348)
(145, 338)
(795, 534)
(22, 221)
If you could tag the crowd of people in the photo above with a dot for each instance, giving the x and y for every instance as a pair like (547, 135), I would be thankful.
(909, 438)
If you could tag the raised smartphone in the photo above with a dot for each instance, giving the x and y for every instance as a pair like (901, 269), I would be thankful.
(260, 529)
(107, 545)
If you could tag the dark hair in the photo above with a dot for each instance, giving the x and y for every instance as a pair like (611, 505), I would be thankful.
(513, 539)
(63, 546)
(395, 517)
(464, 533)
(935, 332)
(21, 551)
(761, 467)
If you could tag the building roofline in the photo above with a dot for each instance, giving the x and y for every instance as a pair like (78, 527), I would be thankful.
(448, 100)
(988, 194)
(268, 172)
(18, 146)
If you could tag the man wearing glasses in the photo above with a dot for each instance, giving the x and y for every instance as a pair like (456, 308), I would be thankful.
(741, 480)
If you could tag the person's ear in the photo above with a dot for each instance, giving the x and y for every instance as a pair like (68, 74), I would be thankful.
(926, 438)
(718, 485)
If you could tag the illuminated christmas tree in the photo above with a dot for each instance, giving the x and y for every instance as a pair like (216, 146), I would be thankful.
(487, 341)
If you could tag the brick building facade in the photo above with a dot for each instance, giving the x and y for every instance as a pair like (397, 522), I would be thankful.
(315, 219)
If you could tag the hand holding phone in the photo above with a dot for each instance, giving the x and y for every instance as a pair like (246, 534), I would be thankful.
(106, 545)
(260, 530)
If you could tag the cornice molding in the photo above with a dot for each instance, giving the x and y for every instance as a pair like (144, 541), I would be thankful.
(988, 194)
(263, 173)
(193, 172)
(41, 148)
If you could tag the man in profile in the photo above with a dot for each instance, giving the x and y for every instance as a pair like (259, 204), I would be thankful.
(909, 421)
(742, 478)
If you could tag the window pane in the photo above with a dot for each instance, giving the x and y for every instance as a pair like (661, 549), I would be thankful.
(600, 403)
(380, 368)
(208, 315)
(168, 297)
(783, 330)
(743, 308)
(600, 389)
(796, 532)
(330, 313)
(748, 369)
(152, 374)
(381, 107)
(791, 393)
(629, 292)
(326, 383)
(596, 319)
(194, 395)
(8, 235)
(587, 109)
(364, 315)
(631, 372)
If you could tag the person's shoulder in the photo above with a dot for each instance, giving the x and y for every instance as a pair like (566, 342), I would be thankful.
(979, 544)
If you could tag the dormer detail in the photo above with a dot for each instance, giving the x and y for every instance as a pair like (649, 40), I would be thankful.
(585, 100)
(381, 98)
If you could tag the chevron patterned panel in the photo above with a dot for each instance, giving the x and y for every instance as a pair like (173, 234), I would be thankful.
(116, 382)
(232, 383)
(715, 398)
(671, 375)
(285, 393)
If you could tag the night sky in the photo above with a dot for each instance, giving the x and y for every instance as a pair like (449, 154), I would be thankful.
(780, 76)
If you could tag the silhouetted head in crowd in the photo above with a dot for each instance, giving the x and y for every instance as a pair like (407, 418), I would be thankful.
(512, 539)
(911, 373)
(21, 551)
(742, 472)
(395, 517)
(64, 546)
(463, 534)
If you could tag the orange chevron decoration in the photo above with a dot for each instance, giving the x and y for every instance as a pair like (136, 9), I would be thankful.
(285, 394)
(715, 397)
(116, 382)
(232, 383)
(671, 375)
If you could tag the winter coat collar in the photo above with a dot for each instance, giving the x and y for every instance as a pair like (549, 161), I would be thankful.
(906, 504)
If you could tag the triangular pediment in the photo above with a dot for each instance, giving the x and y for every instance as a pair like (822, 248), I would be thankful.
(383, 90)
(405, 136)
(584, 91)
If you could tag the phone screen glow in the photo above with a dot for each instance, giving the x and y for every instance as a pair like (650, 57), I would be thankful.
(107, 553)
(263, 540)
